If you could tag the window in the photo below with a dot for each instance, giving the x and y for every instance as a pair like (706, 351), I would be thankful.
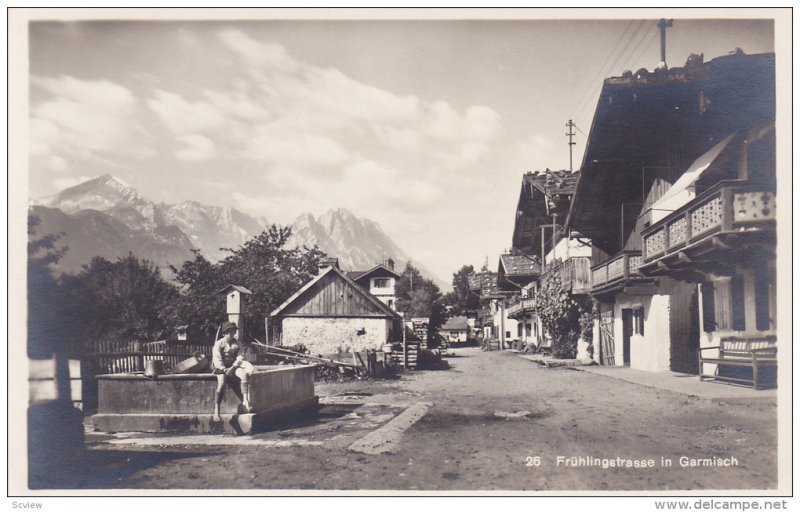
(380, 282)
(637, 316)
(391, 303)
(709, 319)
(724, 304)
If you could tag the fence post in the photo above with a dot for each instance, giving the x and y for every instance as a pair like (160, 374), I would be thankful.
(139, 365)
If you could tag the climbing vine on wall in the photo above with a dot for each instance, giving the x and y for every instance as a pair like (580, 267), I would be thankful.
(565, 317)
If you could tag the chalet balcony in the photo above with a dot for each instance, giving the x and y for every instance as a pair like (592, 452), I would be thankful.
(727, 222)
(618, 273)
(576, 274)
(520, 307)
(485, 317)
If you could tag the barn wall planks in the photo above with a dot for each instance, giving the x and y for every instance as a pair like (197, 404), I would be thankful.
(333, 296)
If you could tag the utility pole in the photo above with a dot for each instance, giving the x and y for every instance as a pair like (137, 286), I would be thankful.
(663, 25)
(570, 125)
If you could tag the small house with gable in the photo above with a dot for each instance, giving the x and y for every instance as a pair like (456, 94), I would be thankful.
(332, 314)
(380, 281)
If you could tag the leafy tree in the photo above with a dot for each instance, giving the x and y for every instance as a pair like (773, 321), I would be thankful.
(49, 321)
(461, 301)
(420, 297)
(264, 265)
(127, 299)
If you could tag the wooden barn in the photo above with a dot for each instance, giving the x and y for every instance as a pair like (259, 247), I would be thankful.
(332, 314)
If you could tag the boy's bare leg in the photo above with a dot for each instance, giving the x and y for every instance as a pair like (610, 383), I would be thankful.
(218, 396)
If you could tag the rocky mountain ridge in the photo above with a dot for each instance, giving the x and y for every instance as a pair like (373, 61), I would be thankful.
(107, 217)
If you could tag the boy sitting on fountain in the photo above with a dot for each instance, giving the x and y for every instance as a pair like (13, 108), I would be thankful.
(229, 365)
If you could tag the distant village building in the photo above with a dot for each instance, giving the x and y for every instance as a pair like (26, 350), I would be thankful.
(455, 330)
(514, 273)
(380, 281)
(332, 314)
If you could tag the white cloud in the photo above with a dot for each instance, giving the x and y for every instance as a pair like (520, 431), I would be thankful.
(272, 144)
(184, 117)
(298, 116)
(254, 53)
(82, 118)
(196, 148)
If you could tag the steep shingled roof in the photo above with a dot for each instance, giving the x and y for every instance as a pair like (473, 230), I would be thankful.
(552, 183)
(455, 323)
(519, 265)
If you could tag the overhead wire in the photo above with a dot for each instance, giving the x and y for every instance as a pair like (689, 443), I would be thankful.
(633, 45)
(600, 70)
(628, 48)
(645, 46)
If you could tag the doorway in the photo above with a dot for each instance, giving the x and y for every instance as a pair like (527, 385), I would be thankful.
(607, 335)
(684, 329)
(627, 332)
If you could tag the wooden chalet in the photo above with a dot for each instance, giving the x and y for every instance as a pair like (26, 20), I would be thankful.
(539, 234)
(672, 156)
(332, 314)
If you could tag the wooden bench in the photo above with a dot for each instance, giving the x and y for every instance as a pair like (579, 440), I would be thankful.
(741, 352)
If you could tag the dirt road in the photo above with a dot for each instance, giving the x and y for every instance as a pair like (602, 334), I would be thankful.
(496, 422)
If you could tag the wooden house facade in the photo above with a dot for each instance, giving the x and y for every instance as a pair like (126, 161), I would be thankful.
(332, 314)
(677, 167)
(539, 236)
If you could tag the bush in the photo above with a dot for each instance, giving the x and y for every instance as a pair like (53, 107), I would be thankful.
(564, 316)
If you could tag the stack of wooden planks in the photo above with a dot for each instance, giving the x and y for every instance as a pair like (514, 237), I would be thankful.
(407, 359)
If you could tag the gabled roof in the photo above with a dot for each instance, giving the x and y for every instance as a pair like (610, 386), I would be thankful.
(361, 274)
(552, 183)
(519, 265)
(544, 198)
(240, 289)
(485, 284)
(652, 125)
(455, 323)
(358, 289)
(354, 274)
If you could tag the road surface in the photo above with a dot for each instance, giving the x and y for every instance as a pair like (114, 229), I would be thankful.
(493, 421)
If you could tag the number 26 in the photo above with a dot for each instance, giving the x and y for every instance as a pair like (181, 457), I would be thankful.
(533, 461)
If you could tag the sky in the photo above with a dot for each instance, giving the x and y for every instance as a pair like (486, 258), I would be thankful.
(423, 126)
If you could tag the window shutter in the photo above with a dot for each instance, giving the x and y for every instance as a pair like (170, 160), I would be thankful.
(762, 281)
(737, 303)
(722, 304)
(709, 321)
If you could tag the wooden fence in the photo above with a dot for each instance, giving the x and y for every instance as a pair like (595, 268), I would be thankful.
(107, 356)
(102, 357)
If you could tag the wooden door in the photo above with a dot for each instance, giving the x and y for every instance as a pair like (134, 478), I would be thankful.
(627, 332)
(607, 335)
(684, 329)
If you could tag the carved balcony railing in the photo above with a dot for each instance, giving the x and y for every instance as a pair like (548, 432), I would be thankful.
(622, 266)
(576, 274)
(728, 207)
(521, 306)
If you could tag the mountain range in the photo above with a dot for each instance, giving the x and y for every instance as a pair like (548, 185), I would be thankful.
(106, 217)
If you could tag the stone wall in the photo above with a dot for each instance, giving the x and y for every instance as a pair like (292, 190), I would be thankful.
(336, 335)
